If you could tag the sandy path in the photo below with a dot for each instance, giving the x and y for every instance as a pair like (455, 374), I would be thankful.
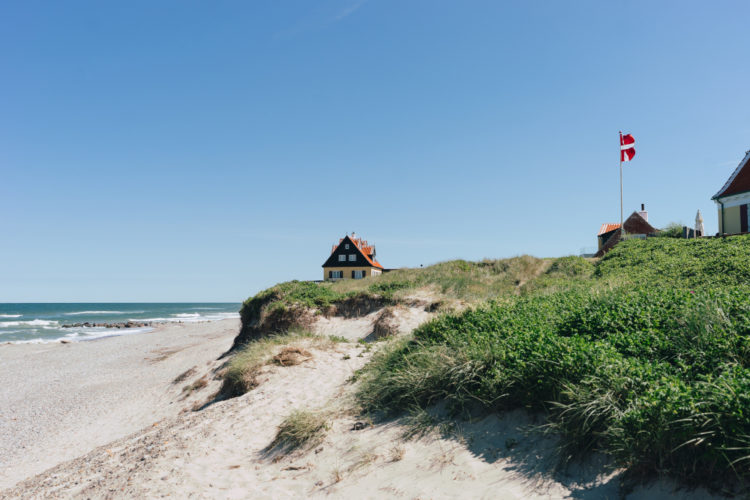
(221, 452)
(58, 401)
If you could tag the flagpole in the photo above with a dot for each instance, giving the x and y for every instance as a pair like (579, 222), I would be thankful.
(622, 229)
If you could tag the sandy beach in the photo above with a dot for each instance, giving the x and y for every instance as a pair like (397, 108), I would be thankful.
(59, 401)
(106, 419)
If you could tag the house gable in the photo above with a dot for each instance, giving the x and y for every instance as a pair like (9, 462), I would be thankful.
(609, 234)
(635, 224)
(361, 260)
(738, 182)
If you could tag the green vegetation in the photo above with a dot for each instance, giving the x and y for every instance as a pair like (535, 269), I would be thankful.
(455, 279)
(695, 263)
(644, 356)
(240, 374)
(673, 230)
(301, 427)
(291, 304)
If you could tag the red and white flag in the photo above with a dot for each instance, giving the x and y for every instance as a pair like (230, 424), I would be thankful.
(627, 147)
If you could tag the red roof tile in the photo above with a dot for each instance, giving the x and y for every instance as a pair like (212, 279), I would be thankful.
(607, 227)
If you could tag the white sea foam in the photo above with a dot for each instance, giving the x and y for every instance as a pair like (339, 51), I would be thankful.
(79, 313)
(218, 316)
(10, 315)
(36, 322)
(85, 334)
(190, 318)
(108, 332)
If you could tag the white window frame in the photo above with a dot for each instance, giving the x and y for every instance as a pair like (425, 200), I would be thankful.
(337, 275)
(352, 257)
(346, 246)
(342, 257)
(359, 274)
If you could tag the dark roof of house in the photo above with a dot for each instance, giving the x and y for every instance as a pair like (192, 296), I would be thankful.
(363, 248)
(738, 182)
(634, 224)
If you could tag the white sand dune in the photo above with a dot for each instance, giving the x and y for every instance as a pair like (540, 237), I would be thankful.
(222, 450)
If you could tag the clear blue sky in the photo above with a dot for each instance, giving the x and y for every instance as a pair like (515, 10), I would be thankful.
(178, 150)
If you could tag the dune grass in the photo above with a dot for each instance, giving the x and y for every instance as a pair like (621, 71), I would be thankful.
(300, 428)
(277, 307)
(459, 279)
(241, 371)
(644, 356)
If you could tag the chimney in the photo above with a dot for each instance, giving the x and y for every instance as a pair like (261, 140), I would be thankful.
(643, 212)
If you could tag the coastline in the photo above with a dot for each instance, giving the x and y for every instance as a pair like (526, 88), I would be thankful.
(60, 400)
(134, 435)
(40, 323)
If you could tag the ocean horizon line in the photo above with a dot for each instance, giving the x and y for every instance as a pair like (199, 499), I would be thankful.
(42, 322)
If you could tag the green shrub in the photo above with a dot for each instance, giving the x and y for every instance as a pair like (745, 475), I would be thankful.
(388, 288)
(673, 230)
(657, 377)
(571, 267)
(644, 354)
(691, 264)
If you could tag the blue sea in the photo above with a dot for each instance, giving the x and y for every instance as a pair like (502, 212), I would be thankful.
(41, 323)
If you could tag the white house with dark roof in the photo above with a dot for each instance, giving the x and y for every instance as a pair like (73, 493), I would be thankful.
(733, 200)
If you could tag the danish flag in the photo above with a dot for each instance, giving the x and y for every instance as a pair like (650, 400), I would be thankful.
(627, 147)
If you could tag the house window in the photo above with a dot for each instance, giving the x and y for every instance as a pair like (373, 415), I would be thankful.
(359, 274)
(335, 274)
(342, 258)
(346, 246)
(352, 257)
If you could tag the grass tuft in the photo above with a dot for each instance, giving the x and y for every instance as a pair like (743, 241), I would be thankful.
(301, 428)
(240, 374)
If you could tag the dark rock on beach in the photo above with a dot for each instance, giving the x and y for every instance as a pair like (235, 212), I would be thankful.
(127, 324)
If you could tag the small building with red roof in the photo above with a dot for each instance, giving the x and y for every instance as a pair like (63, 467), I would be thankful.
(635, 226)
(733, 200)
(351, 258)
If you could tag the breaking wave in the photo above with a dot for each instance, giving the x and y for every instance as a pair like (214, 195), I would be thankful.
(35, 322)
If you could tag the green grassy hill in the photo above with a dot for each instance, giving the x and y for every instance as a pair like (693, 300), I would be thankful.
(646, 359)
(643, 355)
